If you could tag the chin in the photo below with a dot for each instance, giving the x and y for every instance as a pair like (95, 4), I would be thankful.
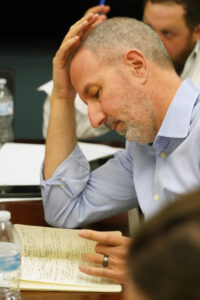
(139, 140)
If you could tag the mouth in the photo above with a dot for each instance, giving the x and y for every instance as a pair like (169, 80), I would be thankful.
(114, 126)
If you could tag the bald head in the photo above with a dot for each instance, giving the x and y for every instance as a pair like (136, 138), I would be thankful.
(111, 39)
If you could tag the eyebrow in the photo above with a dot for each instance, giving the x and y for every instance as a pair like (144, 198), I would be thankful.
(86, 89)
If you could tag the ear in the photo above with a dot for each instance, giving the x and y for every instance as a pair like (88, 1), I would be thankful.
(196, 33)
(138, 63)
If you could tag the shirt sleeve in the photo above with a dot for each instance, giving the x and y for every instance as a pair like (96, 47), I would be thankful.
(74, 196)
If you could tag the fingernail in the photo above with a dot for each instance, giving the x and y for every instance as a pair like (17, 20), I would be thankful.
(90, 15)
(82, 232)
(82, 268)
(84, 22)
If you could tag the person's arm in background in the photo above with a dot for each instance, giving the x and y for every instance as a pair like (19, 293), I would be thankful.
(61, 136)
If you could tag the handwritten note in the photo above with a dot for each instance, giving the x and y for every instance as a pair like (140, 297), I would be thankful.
(52, 256)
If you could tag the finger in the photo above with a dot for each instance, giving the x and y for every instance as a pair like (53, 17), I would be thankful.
(104, 9)
(97, 258)
(75, 30)
(100, 272)
(113, 262)
(100, 20)
(81, 25)
(94, 258)
(91, 24)
(108, 238)
(68, 44)
(115, 251)
(64, 50)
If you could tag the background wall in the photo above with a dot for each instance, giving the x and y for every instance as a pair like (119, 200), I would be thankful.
(31, 31)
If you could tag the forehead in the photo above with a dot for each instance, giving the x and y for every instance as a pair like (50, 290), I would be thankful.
(84, 65)
(164, 14)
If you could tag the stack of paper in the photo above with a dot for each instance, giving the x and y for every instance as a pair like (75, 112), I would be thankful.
(21, 163)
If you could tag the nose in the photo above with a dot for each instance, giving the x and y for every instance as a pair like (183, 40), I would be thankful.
(96, 115)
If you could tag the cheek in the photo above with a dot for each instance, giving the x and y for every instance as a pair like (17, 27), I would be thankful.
(115, 100)
(172, 46)
(111, 105)
(176, 45)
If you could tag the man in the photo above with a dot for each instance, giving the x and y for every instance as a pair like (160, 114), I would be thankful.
(164, 258)
(177, 22)
(129, 84)
(178, 25)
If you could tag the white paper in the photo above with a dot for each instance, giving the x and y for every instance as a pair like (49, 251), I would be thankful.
(20, 164)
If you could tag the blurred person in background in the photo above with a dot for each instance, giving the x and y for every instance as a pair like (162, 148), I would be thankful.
(177, 22)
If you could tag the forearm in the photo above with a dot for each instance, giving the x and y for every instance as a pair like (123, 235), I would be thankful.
(74, 197)
(61, 136)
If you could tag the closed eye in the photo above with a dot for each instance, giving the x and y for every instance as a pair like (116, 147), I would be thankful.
(96, 95)
(92, 91)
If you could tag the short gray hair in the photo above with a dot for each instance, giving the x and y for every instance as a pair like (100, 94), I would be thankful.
(116, 35)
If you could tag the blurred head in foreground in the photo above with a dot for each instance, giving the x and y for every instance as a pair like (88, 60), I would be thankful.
(164, 258)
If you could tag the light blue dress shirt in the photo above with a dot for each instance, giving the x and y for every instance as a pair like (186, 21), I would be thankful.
(148, 176)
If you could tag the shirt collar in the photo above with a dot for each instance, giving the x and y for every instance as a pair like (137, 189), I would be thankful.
(196, 48)
(177, 120)
(191, 61)
(195, 51)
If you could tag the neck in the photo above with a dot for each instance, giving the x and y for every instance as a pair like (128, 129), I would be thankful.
(163, 86)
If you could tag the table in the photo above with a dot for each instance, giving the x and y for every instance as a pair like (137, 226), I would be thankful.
(31, 212)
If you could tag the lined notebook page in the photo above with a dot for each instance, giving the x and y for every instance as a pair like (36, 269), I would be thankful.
(52, 256)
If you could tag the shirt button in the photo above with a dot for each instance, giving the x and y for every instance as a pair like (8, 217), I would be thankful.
(156, 197)
(163, 154)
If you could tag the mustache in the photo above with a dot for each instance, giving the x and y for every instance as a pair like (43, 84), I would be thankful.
(111, 123)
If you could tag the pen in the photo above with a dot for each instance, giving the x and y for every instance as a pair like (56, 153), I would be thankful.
(102, 2)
